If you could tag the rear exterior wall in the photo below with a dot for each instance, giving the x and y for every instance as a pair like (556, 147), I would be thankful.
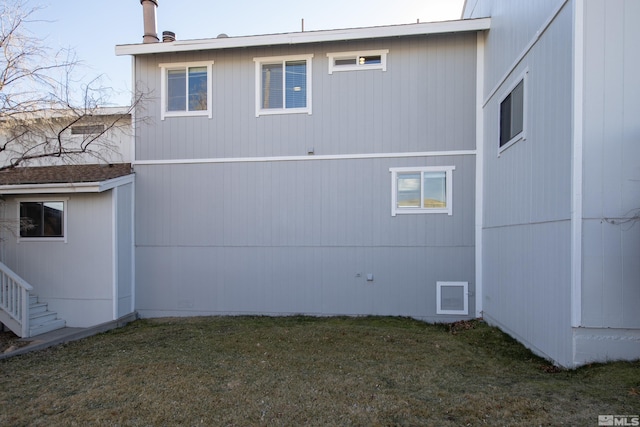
(252, 223)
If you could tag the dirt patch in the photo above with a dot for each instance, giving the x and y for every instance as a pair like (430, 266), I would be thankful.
(10, 341)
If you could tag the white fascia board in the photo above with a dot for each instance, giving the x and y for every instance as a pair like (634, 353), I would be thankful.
(307, 37)
(63, 188)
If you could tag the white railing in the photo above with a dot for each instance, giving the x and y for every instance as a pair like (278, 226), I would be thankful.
(14, 301)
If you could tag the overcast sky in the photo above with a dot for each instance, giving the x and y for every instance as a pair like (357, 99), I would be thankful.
(94, 28)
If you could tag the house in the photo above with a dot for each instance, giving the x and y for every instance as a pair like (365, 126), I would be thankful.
(67, 226)
(485, 167)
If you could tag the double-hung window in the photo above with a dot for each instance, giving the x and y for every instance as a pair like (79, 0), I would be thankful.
(186, 89)
(513, 114)
(283, 85)
(421, 190)
(42, 219)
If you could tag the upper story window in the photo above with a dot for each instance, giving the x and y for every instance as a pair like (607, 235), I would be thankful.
(186, 89)
(283, 85)
(42, 219)
(87, 129)
(361, 60)
(421, 190)
(513, 114)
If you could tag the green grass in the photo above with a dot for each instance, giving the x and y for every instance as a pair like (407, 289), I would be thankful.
(306, 371)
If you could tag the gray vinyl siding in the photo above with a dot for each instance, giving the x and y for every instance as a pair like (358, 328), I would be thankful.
(514, 24)
(124, 249)
(611, 271)
(74, 277)
(527, 203)
(291, 237)
(287, 236)
(418, 104)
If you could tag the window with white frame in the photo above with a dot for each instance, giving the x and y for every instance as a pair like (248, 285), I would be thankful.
(452, 298)
(186, 89)
(359, 60)
(42, 219)
(513, 114)
(421, 190)
(283, 85)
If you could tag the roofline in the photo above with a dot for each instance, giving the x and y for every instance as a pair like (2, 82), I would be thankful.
(66, 187)
(307, 37)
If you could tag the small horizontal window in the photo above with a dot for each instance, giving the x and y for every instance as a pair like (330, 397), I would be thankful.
(353, 61)
(87, 130)
(421, 190)
(42, 219)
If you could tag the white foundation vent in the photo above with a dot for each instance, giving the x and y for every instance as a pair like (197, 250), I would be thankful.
(452, 298)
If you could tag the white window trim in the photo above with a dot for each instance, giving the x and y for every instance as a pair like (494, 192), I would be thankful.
(258, 88)
(395, 210)
(164, 67)
(465, 292)
(356, 54)
(65, 233)
(522, 136)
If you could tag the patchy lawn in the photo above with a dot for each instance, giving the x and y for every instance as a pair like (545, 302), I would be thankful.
(306, 371)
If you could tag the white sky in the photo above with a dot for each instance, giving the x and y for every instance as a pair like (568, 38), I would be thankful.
(94, 28)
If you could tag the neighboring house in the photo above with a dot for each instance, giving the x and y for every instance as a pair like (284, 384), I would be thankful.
(486, 167)
(67, 230)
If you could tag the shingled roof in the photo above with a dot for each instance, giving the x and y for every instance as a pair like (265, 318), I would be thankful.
(67, 174)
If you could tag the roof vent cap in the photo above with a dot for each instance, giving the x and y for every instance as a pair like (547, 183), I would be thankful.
(168, 36)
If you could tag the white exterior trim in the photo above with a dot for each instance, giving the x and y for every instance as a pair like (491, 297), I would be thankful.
(524, 52)
(44, 199)
(61, 188)
(309, 81)
(479, 171)
(307, 37)
(164, 67)
(577, 165)
(357, 54)
(114, 250)
(522, 136)
(448, 209)
(305, 158)
(133, 246)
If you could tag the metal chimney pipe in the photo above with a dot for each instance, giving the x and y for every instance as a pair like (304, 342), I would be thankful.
(150, 23)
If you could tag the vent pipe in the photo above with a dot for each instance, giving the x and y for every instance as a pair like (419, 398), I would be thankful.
(150, 23)
(168, 36)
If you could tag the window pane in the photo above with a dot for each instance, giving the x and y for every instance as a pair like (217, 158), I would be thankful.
(53, 214)
(345, 61)
(296, 84)
(435, 190)
(30, 219)
(272, 86)
(41, 219)
(365, 60)
(505, 120)
(197, 88)
(408, 195)
(517, 109)
(176, 87)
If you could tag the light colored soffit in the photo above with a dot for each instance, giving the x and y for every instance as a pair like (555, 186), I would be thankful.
(64, 188)
(307, 37)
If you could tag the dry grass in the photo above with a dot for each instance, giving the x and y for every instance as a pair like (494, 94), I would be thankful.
(306, 371)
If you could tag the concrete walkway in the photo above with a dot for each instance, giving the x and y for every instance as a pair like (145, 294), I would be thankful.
(65, 335)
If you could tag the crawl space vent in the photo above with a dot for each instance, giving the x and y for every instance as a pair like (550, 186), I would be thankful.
(452, 298)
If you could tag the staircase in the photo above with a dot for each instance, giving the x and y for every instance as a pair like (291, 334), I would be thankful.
(41, 320)
(20, 311)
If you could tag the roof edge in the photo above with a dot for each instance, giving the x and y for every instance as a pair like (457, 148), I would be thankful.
(442, 27)
(69, 187)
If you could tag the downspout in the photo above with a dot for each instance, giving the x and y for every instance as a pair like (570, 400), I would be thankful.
(479, 217)
(577, 164)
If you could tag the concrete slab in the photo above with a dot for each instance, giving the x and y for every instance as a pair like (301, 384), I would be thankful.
(65, 335)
